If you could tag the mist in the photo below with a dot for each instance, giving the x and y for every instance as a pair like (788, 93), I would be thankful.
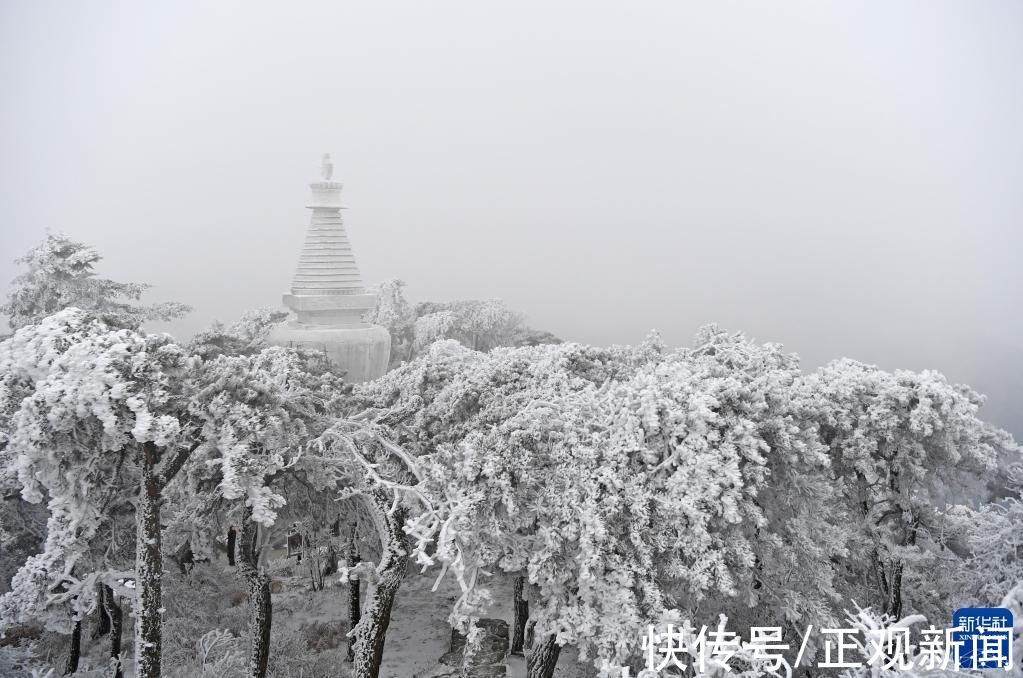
(843, 179)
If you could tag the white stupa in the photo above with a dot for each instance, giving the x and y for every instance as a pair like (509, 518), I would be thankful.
(328, 295)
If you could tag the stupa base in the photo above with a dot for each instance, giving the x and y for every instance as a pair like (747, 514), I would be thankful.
(363, 351)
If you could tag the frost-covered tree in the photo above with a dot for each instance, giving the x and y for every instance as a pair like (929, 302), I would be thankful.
(245, 336)
(257, 415)
(627, 486)
(382, 480)
(900, 443)
(769, 482)
(394, 313)
(22, 526)
(979, 552)
(623, 482)
(995, 559)
(277, 447)
(452, 393)
(759, 387)
(60, 273)
(480, 325)
(89, 398)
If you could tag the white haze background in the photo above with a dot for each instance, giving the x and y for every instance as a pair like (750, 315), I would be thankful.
(842, 177)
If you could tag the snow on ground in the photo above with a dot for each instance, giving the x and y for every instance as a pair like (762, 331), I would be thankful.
(308, 622)
(420, 634)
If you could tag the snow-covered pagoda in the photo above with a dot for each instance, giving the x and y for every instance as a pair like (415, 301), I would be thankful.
(328, 295)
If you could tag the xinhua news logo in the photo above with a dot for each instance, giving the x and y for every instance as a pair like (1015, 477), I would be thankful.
(984, 636)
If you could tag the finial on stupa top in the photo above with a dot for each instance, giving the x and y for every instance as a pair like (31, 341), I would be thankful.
(326, 191)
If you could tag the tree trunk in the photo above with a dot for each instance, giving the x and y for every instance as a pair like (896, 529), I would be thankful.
(184, 558)
(354, 606)
(521, 615)
(530, 627)
(232, 536)
(260, 607)
(330, 566)
(116, 625)
(891, 586)
(75, 651)
(543, 659)
(260, 544)
(372, 629)
(102, 626)
(148, 569)
(893, 602)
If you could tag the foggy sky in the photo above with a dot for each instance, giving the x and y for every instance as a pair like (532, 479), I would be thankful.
(846, 179)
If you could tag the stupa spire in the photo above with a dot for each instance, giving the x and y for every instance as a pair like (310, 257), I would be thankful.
(326, 264)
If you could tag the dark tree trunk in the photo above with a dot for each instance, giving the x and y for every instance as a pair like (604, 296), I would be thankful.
(102, 626)
(330, 567)
(75, 651)
(521, 616)
(148, 568)
(893, 590)
(184, 558)
(260, 608)
(354, 606)
(232, 536)
(116, 625)
(372, 629)
(543, 659)
(893, 602)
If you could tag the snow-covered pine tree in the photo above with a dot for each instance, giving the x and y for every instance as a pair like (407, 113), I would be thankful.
(61, 273)
(900, 444)
(452, 393)
(477, 324)
(383, 480)
(626, 482)
(256, 416)
(89, 397)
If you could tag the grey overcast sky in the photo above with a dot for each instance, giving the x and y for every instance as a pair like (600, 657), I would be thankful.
(844, 178)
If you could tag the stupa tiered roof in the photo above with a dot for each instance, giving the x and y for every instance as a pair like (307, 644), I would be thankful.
(327, 263)
(328, 288)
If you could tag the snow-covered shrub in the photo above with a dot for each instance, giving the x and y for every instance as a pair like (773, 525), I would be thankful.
(206, 600)
(218, 654)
